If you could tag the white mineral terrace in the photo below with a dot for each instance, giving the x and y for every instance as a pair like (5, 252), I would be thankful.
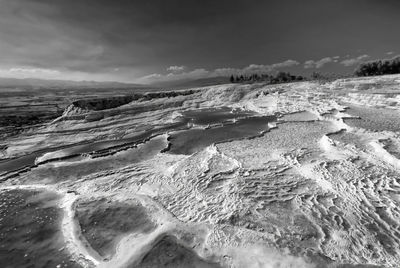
(315, 184)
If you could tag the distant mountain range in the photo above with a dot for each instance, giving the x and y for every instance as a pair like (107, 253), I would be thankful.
(34, 83)
(189, 83)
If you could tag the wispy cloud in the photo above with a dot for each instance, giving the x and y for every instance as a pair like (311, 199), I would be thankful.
(318, 63)
(390, 53)
(287, 63)
(256, 68)
(44, 73)
(175, 73)
(175, 68)
(195, 74)
(354, 61)
(336, 58)
(29, 71)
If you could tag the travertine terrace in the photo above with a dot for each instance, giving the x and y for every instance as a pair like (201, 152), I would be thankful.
(308, 177)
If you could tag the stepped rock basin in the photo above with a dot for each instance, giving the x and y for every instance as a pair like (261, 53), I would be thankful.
(228, 124)
(301, 175)
(193, 140)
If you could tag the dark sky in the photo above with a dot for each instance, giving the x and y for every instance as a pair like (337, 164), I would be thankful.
(150, 40)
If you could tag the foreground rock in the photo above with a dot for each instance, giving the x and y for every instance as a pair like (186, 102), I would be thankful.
(291, 175)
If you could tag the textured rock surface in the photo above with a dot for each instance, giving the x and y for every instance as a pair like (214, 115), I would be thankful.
(318, 186)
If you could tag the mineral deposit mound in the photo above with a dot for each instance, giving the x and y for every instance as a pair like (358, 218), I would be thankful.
(302, 174)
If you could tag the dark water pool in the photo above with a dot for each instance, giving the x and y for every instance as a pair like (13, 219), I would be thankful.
(184, 142)
(168, 253)
(30, 230)
(211, 116)
(104, 223)
(192, 140)
(374, 119)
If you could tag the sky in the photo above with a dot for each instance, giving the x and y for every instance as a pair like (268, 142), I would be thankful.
(147, 41)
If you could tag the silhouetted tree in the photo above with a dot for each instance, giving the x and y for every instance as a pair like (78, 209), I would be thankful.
(280, 77)
(379, 67)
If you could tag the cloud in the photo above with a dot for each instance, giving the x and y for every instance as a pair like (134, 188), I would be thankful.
(390, 53)
(203, 73)
(336, 58)
(153, 78)
(175, 68)
(62, 74)
(30, 72)
(354, 61)
(287, 63)
(252, 68)
(317, 64)
(255, 68)
(24, 71)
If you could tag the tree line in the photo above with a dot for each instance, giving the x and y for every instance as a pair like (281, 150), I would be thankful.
(379, 67)
(281, 77)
